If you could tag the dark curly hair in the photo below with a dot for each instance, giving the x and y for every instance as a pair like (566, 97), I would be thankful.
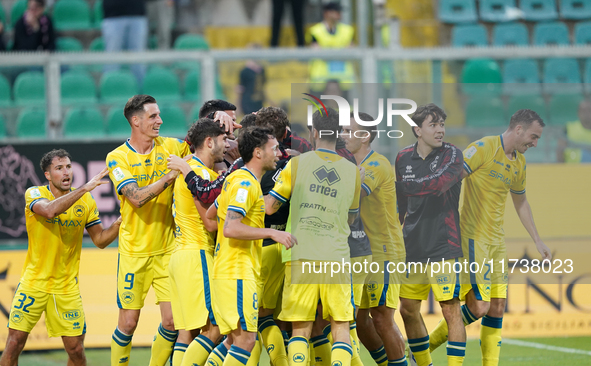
(47, 159)
(274, 117)
(202, 129)
(251, 138)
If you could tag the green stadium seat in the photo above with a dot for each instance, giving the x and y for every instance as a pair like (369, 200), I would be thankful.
(587, 76)
(192, 86)
(564, 108)
(29, 88)
(562, 76)
(162, 84)
(484, 111)
(521, 76)
(174, 123)
(69, 44)
(498, 11)
(549, 34)
(2, 127)
(481, 76)
(575, 9)
(17, 11)
(510, 34)
(71, 15)
(97, 44)
(84, 122)
(77, 88)
(117, 125)
(534, 102)
(4, 92)
(97, 13)
(469, 35)
(31, 123)
(194, 113)
(538, 10)
(457, 11)
(117, 86)
(583, 33)
(190, 41)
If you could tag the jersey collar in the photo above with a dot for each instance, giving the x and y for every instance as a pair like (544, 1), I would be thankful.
(367, 157)
(503, 147)
(132, 149)
(251, 173)
(199, 160)
(327, 151)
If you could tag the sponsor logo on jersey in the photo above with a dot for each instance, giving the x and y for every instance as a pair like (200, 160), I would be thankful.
(79, 210)
(160, 159)
(329, 176)
(316, 223)
(71, 314)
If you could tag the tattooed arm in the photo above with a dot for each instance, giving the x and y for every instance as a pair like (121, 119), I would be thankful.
(138, 196)
(272, 204)
(234, 228)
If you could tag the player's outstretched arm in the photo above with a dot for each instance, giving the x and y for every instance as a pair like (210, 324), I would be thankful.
(102, 237)
(235, 229)
(140, 196)
(525, 215)
(51, 209)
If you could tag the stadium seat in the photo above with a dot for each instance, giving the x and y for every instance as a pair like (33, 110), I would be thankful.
(69, 44)
(548, 34)
(194, 113)
(192, 86)
(538, 10)
(117, 125)
(31, 123)
(534, 102)
(174, 123)
(2, 127)
(190, 41)
(78, 88)
(97, 44)
(483, 111)
(29, 88)
(117, 86)
(17, 11)
(587, 76)
(481, 76)
(469, 35)
(97, 13)
(499, 10)
(457, 11)
(583, 33)
(511, 34)
(84, 122)
(4, 92)
(71, 15)
(162, 84)
(562, 75)
(564, 108)
(521, 76)
(575, 9)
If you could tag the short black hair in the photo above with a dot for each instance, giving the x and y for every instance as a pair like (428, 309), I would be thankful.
(251, 138)
(136, 104)
(274, 117)
(202, 129)
(215, 105)
(321, 121)
(248, 120)
(423, 112)
(525, 117)
(39, 2)
(47, 159)
(372, 131)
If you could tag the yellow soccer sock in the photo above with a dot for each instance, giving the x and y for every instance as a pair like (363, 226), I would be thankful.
(255, 354)
(178, 353)
(120, 348)
(321, 347)
(273, 341)
(379, 356)
(236, 356)
(399, 362)
(198, 351)
(490, 340)
(311, 354)
(420, 350)
(217, 356)
(341, 354)
(298, 351)
(162, 346)
(327, 333)
(356, 360)
(456, 351)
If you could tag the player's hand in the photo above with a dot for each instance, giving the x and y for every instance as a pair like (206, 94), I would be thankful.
(179, 164)
(96, 180)
(232, 153)
(118, 221)
(285, 238)
(226, 121)
(544, 250)
(362, 173)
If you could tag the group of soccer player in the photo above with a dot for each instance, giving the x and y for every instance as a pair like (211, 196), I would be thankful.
(222, 228)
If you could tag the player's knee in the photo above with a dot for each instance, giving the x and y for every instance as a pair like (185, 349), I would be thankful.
(479, 309)
(382, 315)
(128, 325)
(76, 351)
(168, 323)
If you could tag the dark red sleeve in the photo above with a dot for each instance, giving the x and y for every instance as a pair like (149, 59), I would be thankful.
(300, 144)
(205, 190)
(401, 199)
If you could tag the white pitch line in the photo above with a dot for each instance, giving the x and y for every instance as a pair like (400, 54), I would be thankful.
(517, 342)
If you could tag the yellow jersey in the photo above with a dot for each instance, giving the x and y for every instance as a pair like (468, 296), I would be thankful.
(379, 209)
(53, 256)
(190, 232)
(148, 230)
(492, 176)
(233, 258)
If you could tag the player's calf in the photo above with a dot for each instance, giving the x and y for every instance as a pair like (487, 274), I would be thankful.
(14, 346)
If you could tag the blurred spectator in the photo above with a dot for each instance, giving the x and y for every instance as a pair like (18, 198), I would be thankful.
(251, 89)
(34, 30)
(331, 33)
(125, 27)
(577, 146)
(2, 44)
(161, 12)
(297, 11)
